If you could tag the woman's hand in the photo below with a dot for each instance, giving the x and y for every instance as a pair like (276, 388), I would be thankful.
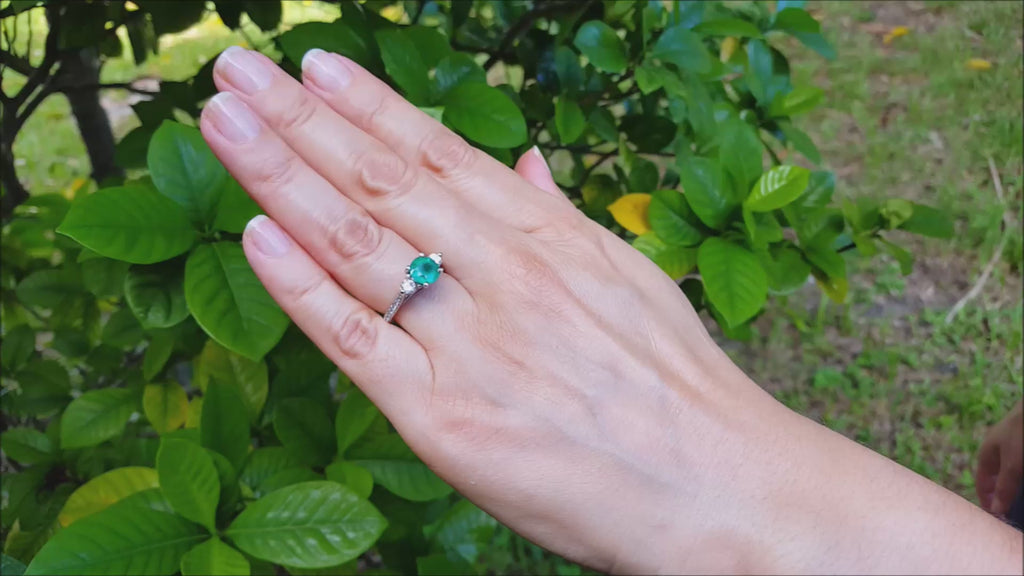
(553, 375)
(1001, 463)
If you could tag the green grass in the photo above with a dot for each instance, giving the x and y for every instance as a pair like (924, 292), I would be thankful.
(911, 119)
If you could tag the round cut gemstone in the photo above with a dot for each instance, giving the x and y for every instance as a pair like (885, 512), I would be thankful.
(423, 270)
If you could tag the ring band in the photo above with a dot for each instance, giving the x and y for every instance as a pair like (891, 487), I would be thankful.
(423, 271)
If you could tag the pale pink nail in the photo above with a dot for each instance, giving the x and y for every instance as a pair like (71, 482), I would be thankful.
(232, 118)
(244, 70)
(327, 71)
(268, 237)
(536, 152)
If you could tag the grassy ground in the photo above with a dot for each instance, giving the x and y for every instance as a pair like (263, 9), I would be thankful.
(911, 119)
(908, 118)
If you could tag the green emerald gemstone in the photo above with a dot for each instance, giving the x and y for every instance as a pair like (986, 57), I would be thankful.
(423, 270)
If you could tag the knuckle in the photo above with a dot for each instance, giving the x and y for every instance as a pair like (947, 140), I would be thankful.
(356, 236)
(277, 170)
(386, 174)
(356, 334)
(297, 116)
(376, 119)
(304, 293)
(446, 154)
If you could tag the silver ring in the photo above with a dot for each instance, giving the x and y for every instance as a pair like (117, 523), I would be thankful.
(423, 271)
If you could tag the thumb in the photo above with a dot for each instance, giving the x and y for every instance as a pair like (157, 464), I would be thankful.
(534, 169)
(1007, 485)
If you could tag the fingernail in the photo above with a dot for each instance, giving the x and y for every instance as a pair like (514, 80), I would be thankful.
(232, 118)
(536, 152)
(329, 73)
(267, 236)
(244, 70)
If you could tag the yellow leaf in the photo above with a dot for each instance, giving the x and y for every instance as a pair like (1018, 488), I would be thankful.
(630, 211)
(895, 33)
(195, 413)
(106, 489)
(979, 64)
(728, 48)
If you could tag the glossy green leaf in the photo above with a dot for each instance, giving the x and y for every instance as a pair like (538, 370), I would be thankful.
(359, 479)
(229, 302)
(787, 271)
(217, 363)
(184, 169)
(395, 467)
(121, 330)
(161, 345)
(728, 27)
(569, 71)
(131, 223)
(741, 155)
(820, 187)
(759, 69)
(189, 480)
(795, 20)
(463, 530)
(50, 288)
(10, 566)
(43, 387)
(305, 429)
(334, 37)
(103, 277)
(485, 115)
(307, 525)
(672, 219)
(18, 347)
(801, 142)
(404, 64)
(569, 120)
(430, 43)
(777, 188)
(105, 490)
(287, 477)
(643, 176)
(129, 537)
(602, 46)
(928, 221)
(456, 69)
(95, 417)
(704, 187)
(683, 48)
(224, 426)
(236, 208)
(264, 463)
(734, 280)
(214, 557)
(355, 414)
(27, 445)
(817, 42)
(165, 406)
(799, 100)
(673, 260)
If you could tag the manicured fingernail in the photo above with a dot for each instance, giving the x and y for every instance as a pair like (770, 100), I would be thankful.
(328, 72)
(232, 118)
(267, 236)
(536, 152)
(244, 70)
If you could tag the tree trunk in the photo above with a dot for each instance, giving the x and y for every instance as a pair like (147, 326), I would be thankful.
(82, 68)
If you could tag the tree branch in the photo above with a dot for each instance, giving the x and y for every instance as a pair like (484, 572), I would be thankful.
(16, 63)
(524, 24)
(112, 86)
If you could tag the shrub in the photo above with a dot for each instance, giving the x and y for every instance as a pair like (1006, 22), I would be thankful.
(161, 414)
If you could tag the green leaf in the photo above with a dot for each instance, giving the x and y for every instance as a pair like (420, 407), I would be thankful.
(820, 187)
(396, 468)
(928, 221)
(229, 302)
(569, 120)
(456, 69)
(815, 41)
(264, 463)
(672, 220)
(728, 27)
(10, 567)
(335, 37)
(49, 288)
(442, 565)
(156, 294)
(902, 256)
(214, 557)
(485, 115)
(799, 100)
(27, 445)
(602, 46)
(103, 277)
(567, 67)
(18, 347)
(430, 43)
(165, 405)
(250, 377)
(404, 64)
(304, 428)
(287, 477)
(787, 271)
(126, 538)
(673, 260)
(795, 20)
(463, 530)
(95, 417)
(648, 78)
(643, 176)
(236, 208)
(683, 48)
(131, 223)
(705, 191)
(189, 480)
(759, 69)
(224, 426)
(740, 154)
(734, 280)
(307, 525)
(105, 490)
(359, 479)
(161, 345)
(122, 330)
(355, 414)
(266, 15)
(801, 142)
(777, 188)
(185, 170)
(44, 387)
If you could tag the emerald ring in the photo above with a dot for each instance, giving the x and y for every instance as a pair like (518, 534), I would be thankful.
(423, 271)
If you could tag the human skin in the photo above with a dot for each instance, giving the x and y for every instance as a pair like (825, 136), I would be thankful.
(1001, 463)
(553, 375)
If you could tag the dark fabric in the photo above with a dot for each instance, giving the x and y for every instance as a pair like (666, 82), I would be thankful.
(1016, 514)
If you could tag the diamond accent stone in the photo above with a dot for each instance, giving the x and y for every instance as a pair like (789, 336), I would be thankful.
(408, 286)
